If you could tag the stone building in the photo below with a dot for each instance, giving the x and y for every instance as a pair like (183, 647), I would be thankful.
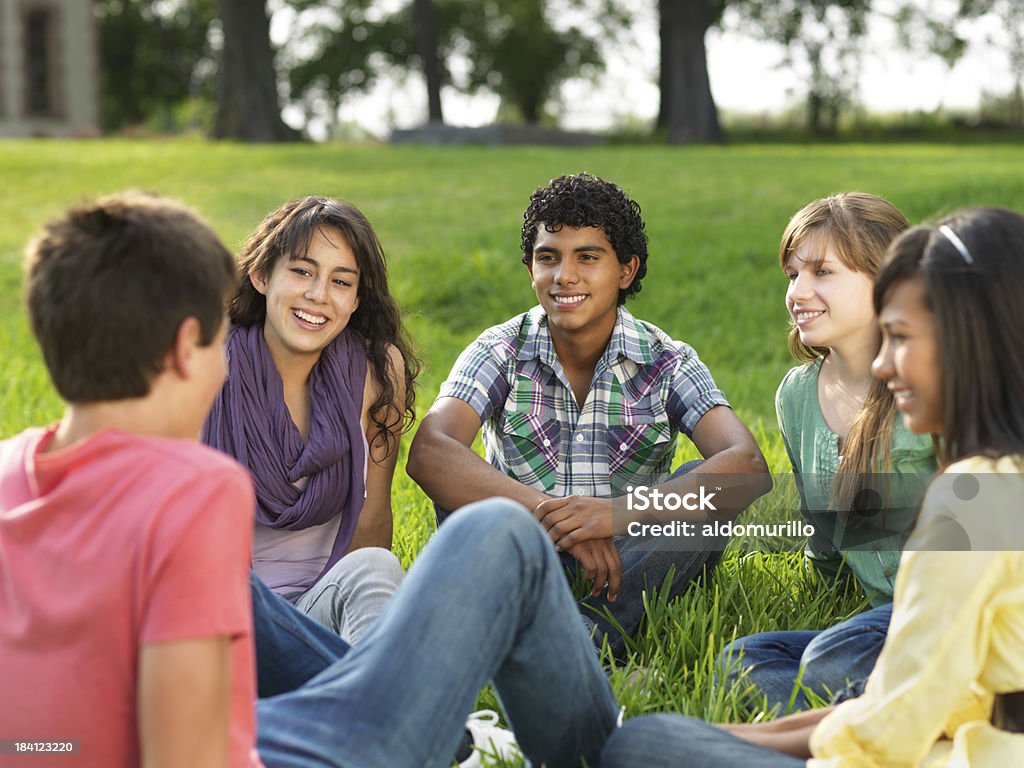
(49, 68)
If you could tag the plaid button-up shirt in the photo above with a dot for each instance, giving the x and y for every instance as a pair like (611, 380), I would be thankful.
(646, 389)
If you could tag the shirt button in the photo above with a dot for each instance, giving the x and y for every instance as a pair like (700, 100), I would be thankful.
(622, 446)
(581, 491)
(547, 443)
(579, 438)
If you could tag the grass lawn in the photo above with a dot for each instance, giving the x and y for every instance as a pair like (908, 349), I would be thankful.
(449, 220)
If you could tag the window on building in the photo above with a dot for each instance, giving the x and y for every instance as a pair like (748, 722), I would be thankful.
(3, 36)
(39, 63)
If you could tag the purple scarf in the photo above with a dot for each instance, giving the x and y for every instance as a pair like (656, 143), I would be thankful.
(250, 421)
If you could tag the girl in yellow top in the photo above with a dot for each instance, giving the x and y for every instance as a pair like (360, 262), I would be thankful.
(945, 689)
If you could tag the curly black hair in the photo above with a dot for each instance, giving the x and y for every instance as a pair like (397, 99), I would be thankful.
(584, 200)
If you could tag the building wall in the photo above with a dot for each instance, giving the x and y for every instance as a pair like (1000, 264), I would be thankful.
(66, 67)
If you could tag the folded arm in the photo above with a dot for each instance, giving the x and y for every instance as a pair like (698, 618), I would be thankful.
(443, 463)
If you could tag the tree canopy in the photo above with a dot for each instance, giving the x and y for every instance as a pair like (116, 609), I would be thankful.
(153, 57)
(160, 54)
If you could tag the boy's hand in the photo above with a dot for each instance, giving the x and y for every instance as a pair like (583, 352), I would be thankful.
(601, 565)
(571, 520)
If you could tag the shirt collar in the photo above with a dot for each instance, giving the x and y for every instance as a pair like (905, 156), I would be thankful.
(630, 339)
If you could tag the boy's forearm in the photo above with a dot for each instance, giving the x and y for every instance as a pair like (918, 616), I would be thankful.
(453, 475)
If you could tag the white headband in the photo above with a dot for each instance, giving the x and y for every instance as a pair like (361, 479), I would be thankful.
(957, 243)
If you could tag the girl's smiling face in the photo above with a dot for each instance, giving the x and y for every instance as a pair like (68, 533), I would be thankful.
(310, 298)
(909, 357)
(829, 303)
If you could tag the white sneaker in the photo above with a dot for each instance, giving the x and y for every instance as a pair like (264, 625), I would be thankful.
(489, 739)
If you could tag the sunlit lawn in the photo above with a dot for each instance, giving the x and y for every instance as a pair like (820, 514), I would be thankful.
(449, 220)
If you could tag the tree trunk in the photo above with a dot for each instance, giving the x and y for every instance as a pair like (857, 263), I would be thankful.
(530, 107)
(814, 108)
(692, 115)
(248, 108)
(426, 43)
(1017, 105)
(664, 70)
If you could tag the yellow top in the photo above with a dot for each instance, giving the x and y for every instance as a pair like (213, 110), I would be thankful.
(956, 637)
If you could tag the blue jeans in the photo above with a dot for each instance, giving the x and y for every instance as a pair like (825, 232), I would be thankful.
(401, 696)
(646, 562)
(291, 648)
(830, 659)
(667, 741)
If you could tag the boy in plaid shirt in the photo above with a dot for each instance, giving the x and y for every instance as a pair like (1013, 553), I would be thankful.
(580, 403)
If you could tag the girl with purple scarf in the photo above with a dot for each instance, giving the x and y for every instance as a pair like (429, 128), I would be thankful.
(319, 391)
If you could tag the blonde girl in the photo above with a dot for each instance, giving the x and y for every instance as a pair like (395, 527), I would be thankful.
(859, 471)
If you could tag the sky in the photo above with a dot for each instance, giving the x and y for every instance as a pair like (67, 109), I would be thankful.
(747, 76)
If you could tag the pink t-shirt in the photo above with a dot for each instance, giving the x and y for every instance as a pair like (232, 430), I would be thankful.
(108, 545)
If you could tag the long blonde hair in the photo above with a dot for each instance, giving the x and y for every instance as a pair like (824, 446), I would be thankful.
(859, 228)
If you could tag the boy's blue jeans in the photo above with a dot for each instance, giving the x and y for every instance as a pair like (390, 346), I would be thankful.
(830, 659)
(485, 600)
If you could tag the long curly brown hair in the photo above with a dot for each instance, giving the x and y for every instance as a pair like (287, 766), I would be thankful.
(286, 233)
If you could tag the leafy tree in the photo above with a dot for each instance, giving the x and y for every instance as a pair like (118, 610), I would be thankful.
(511, 48)
(920, 30)
(822, 35)
(514, 51)
(154, 55)
(340, 47)
(937, 30)
(428, 49)
(1011, 15)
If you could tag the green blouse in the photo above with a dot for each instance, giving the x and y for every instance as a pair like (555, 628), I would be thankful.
(870, 544)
